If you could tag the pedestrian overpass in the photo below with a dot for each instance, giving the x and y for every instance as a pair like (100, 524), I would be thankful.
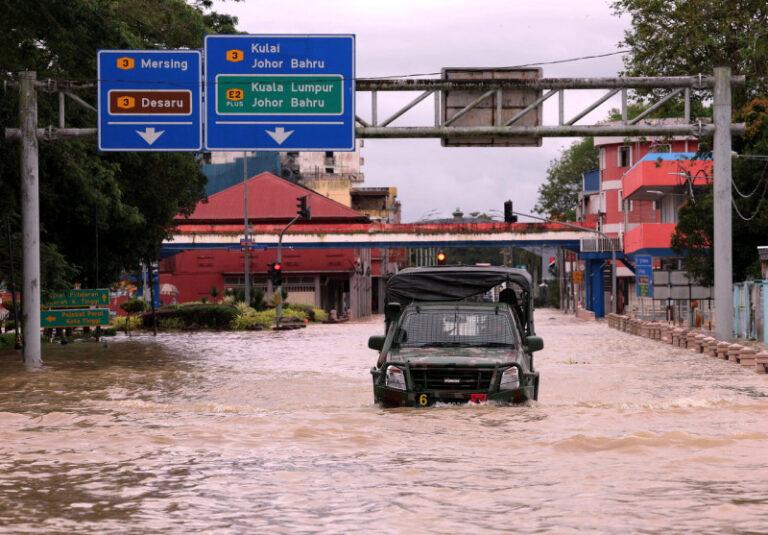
(531, 236)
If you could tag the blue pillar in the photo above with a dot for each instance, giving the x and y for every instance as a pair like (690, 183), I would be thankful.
(595, 289)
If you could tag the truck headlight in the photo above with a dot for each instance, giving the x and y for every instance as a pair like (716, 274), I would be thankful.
(510, 379)
(395, 378)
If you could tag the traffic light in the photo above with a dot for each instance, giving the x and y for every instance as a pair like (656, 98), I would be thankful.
(441, 258)
(302, 210)
(275, 272)
(509, 213)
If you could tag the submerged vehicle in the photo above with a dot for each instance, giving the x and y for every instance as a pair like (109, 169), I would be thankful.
(443, 343)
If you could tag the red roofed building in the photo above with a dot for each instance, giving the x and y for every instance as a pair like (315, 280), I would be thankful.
(337, 279)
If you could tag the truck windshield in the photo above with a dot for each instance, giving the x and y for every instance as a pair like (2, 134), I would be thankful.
(451, 327)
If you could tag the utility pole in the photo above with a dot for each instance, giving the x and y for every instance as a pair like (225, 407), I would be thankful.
(722, 204)
(246, 233)
(30, 220)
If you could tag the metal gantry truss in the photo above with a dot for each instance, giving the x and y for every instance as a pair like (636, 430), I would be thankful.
(548, 88)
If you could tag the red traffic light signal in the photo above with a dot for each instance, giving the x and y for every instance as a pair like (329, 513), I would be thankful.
(441, 257)
(275, 273)
(302, 208)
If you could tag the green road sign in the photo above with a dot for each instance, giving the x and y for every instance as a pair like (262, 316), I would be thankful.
(87, 317)
(271, 94)
(78, 298)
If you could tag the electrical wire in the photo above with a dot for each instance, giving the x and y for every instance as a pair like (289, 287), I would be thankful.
(736, 188)
(759, 203)
(74, 82)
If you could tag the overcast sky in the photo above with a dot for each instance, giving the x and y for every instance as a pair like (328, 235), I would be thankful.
(418, 36)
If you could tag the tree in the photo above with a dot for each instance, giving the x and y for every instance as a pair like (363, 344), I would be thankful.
(123, 201)
(694, 36)
(559, 194)
(688, 37)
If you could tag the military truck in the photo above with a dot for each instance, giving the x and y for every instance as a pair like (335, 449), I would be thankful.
(445, 342)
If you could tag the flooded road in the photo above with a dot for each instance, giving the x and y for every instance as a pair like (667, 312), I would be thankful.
(276, 432)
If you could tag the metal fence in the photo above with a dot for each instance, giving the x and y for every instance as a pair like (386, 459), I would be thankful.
(750, 310)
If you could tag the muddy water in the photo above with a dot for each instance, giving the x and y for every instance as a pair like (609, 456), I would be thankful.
(276, 432)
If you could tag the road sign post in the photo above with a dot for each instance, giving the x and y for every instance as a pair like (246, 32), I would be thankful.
(85, 317)
(150, 100)
(280, 92)
(78, 298)
(644, 275)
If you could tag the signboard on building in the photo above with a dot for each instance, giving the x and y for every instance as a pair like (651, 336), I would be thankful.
(78, 298)
(280, 92)
(644, 275)
(86, 317)
(150, 100)
(495, 109)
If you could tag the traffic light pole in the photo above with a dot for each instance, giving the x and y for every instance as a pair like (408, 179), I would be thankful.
(279, 310)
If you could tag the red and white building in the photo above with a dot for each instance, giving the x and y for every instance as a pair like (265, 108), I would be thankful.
(332, 278)
(635, 196)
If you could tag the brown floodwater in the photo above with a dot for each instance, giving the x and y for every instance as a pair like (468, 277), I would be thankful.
(277, 433)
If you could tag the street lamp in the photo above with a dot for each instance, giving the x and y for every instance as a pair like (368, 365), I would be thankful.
(602, 235)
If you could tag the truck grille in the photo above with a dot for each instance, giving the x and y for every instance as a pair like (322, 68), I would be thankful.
(451, 378)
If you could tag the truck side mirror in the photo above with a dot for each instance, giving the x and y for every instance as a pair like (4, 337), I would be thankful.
(392, 311)
(534, 343)
(376, 342)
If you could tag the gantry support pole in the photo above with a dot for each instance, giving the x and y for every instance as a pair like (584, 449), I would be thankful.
(723, 254)
(247, 234)
(30, 220)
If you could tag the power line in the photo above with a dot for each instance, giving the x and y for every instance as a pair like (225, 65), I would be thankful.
(759, 203)
(535, 64)
(73, 82)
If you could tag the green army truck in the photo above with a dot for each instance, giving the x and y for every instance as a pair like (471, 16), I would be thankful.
(446, 341)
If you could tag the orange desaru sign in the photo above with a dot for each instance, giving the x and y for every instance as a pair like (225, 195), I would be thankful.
(148, 101)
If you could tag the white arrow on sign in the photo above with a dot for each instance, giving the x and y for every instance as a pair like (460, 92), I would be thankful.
(279, 134)
(150, 135)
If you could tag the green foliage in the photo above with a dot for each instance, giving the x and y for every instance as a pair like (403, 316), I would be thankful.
(250, 319)
(196, 316)
(558, 195)
(170, 324)
(311, 313)
(694, 36)
(694, 232)
(7, 340)
(128, 199)
(689, 37)
(126, 323)
(134, 306)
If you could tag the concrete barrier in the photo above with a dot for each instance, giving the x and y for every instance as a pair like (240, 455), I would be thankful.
(761, 362)
(747, 357)
(722, 350)
(734, 352)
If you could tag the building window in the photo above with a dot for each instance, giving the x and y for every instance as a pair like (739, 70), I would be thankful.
(620, 197)
(602, 159)
(329, 154)
(625, 156)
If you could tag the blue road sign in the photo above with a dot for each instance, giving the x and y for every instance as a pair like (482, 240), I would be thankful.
(644, 275)
(280, 92)
(150, 100)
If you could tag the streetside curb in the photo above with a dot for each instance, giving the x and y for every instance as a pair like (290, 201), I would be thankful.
(752, 358)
